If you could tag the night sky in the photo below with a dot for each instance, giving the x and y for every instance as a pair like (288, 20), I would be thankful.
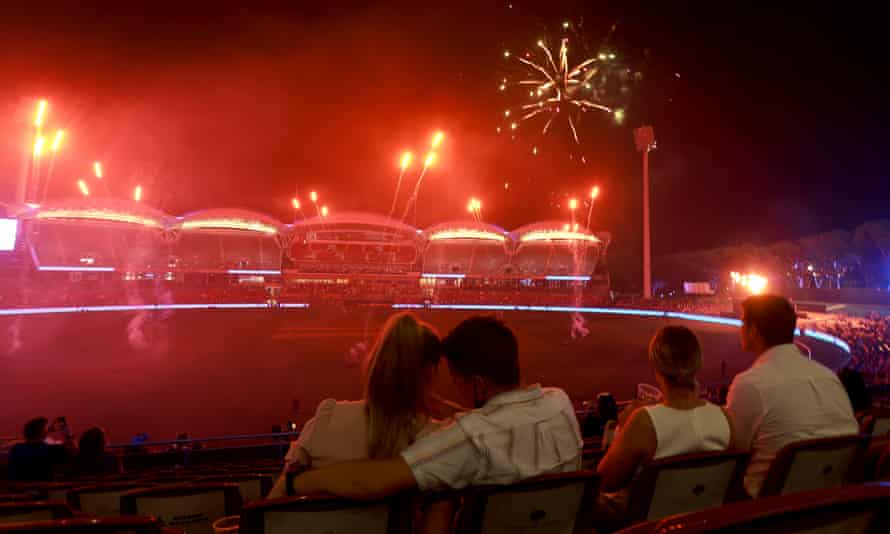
(772, 122)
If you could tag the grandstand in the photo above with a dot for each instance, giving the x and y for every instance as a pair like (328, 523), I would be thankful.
(466, 247)
(226, 240)
(555, 248)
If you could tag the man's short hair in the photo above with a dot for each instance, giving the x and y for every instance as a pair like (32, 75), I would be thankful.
(483, 347)
(773, 316)
(34, 428)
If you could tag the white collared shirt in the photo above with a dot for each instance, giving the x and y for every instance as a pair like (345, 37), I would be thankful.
(516, 435)
(784, 398)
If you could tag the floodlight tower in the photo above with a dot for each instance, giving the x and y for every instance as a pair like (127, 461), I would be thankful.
(644, 138)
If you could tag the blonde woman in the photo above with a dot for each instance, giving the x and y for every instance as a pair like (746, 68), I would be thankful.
(394, 412)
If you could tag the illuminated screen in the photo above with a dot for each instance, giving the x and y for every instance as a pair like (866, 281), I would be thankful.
(8, 229)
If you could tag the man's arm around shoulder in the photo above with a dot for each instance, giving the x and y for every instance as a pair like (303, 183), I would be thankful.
(361, 480)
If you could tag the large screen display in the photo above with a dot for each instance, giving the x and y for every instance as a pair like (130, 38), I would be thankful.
(8, 228)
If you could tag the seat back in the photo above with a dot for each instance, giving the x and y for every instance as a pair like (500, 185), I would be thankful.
(102, 499)
(323, 515)
(252, 486)
(815, 464)
(51, 491)
(103, 525)
(881, 425)
(191, 507)
(549, 504)
(17, 512)
(686, 483)
(849, 510)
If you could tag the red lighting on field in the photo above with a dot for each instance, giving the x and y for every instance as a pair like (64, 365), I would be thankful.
(137, 193)
(97, 169)
(84, 190)
(295, 202)
(40, 113)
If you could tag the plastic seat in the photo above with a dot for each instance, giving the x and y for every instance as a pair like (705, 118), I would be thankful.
(325, 515)
(16, 512)
(686, 483)
(815, 464)
(102, 525)
(102, 499)
(192, 507)
(547, 504)
(252, 486)
(849, 510)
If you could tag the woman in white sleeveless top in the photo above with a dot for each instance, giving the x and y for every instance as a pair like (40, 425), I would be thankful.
(682, 423)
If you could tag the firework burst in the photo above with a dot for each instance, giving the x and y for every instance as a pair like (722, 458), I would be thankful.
(556, 90)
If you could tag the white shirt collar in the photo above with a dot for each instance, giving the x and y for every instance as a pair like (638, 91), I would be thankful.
(778, 351)
(516, 395)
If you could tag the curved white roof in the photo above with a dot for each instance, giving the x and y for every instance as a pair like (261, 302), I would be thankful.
(233, 219)
(358, 218)
(466, 230)
(548, 231)
(102, 209)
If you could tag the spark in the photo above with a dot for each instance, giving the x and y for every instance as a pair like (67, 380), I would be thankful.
(38, 145)
(430, 160)
(313, 196)
(97, 169)
(619, 116)
(324, 211)
(57, 140)
(438, 137)
(84, 190)
(573, 204)
(404, 163)
(406, 160)
(295, 202)
(137, 193)
(40, 113)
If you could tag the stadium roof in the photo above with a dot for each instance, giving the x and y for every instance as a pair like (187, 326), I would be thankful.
(473, 230)
(356, 218)
(237, 220)
(547, 231)
(102, 209)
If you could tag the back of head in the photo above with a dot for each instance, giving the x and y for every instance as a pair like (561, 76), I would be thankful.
(35, 429)
(484, 347)
(676, 354)
(92, 443)
(396, 380)
(773, 317)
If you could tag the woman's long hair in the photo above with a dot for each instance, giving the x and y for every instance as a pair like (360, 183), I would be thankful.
(396, 376)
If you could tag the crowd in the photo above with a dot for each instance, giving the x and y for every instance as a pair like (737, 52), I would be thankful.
(500, 430)
(869, 340)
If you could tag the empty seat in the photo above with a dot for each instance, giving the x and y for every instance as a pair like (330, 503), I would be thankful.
(192, 507)
(815, 464)
(546, 504)
(102, 499)
(686, 483)
(16, 512)
(102, 525)
(325, 515)
(849, 510)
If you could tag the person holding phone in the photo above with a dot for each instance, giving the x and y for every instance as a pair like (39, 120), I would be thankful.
(35, 459)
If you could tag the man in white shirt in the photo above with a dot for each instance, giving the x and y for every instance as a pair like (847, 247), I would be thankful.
(784, 397)
(513, 433)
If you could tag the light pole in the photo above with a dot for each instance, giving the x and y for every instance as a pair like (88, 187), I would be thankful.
(644, 138)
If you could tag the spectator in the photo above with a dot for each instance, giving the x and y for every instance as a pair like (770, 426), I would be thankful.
(35, 459)
(513, 433)
(396, 408)
(783, 397)
(682, 423)
(92, 459)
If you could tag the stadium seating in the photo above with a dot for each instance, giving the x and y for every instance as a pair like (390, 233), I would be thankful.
(16, 512)
(878, 423)
(546, 504)
(192, 507)
(252, 486)
(102, 499)
(814, 464)
(325, 515)
(685, 483)
(51, 491)
(102, 525)
(848, 510)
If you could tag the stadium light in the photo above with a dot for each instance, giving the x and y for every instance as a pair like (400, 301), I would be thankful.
(98, 215)
(555, 235)
(229, 224)
(467, 233)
